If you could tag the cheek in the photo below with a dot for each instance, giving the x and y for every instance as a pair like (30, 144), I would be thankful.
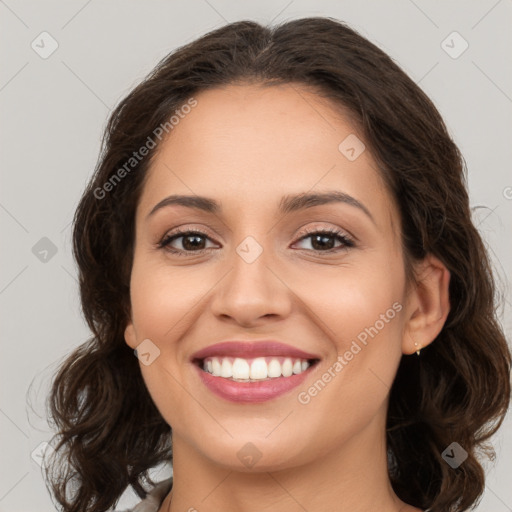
(363, 319)
(347, 300)
(163, 299)
(359, 309)
(164, 304)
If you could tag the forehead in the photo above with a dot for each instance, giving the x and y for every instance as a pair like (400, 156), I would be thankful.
(248, 145)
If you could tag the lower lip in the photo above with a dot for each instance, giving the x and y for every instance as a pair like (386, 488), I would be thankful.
(251, 392)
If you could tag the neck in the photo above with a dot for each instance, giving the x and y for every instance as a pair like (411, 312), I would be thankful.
(352, 477)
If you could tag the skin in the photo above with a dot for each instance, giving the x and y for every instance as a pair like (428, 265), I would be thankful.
(246, 146)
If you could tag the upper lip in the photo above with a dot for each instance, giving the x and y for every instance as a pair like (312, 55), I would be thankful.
(251, 349)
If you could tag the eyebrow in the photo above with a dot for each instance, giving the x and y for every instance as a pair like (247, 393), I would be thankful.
(288, 203)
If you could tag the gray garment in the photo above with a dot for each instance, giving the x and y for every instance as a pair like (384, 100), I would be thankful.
(154, 499)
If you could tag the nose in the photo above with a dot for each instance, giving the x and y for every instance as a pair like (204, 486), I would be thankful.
(251, 293)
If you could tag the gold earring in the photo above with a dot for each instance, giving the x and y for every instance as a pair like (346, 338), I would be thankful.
(418, 348)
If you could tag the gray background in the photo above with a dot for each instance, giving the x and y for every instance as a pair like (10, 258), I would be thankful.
(53, 112)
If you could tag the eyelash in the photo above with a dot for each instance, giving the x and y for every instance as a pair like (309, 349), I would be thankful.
(341, 236)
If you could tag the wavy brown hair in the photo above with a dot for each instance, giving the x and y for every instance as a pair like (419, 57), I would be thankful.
(110, 433)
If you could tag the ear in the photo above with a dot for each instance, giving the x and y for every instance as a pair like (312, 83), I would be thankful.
(428, 305)
(130, 335)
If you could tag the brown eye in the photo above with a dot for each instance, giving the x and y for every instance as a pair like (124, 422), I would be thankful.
(324, 240)
(191, 242)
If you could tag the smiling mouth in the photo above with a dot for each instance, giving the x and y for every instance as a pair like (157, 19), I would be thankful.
(257, 369)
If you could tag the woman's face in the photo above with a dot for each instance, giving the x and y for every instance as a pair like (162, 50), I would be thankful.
(258, 271)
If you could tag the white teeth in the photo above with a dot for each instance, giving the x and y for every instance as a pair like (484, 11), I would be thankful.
(250, 370)
(216, 367)
(287, 370)
(226, 369)
(274, 368)
(240, 369)
(259, 369)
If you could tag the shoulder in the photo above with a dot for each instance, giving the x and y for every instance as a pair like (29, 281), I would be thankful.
(154, 498)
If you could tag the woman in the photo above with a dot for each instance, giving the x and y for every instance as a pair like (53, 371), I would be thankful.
(279, 230)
